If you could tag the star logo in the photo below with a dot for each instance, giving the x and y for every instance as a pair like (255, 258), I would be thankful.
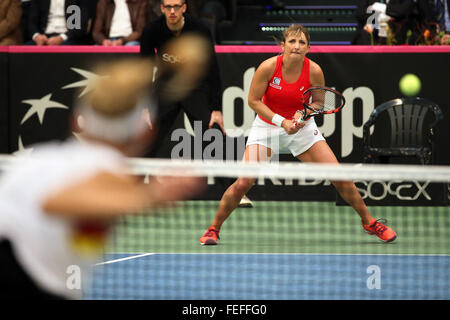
(88, 82)
(39, 106)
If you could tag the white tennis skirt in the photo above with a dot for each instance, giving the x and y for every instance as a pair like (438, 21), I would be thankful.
(279, 141)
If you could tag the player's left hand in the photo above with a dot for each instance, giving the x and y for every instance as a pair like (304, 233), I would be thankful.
(297, 116)
(290, 126)
(216, 117)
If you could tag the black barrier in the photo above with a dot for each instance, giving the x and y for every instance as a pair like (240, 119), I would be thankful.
(4, 105)
(43, 87)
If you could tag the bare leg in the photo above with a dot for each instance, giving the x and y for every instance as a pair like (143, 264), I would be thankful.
(320, 152)
(233, 195)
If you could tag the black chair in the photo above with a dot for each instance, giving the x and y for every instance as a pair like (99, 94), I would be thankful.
(411, 122)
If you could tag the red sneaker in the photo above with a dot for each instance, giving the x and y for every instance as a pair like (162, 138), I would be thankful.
(210, 237)
(378, 228)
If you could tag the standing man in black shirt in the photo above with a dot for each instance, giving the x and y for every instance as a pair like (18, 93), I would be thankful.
(204, 103)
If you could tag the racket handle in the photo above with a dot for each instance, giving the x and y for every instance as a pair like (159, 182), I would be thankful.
(301, 120)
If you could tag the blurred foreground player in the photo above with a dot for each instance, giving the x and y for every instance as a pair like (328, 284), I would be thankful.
(57, 207)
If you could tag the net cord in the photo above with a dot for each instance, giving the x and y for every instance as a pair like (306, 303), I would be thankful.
(279, 170)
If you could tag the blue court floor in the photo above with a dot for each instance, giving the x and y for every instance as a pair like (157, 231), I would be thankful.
(271, 276)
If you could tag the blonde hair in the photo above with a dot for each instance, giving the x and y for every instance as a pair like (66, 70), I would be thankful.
(296, 29)
(112, 111)
(120, 86)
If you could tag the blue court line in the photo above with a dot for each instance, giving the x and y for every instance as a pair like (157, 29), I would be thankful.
(273, 276)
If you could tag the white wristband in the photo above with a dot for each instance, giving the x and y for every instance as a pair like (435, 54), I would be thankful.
(277, 120)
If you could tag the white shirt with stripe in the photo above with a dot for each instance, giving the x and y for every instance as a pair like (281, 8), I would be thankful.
(121, 21)
(43, 243)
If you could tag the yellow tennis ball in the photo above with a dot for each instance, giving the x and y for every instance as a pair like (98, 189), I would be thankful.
(410, 84)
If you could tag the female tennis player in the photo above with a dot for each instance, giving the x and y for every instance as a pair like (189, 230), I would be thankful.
(274, 95)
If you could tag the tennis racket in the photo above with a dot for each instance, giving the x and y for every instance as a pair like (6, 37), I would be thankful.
(320, 100)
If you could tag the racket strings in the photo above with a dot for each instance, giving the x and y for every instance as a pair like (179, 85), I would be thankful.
(322, 100)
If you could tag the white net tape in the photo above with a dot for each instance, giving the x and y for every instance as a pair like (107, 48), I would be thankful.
(280, 170)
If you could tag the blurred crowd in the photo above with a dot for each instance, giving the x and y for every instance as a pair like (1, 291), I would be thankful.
(90, 22)
(403, 22)
(121, 22)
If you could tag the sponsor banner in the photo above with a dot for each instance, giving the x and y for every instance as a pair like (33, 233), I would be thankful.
(401, 193)
(366, 81)
(278, 190)
(44, 87)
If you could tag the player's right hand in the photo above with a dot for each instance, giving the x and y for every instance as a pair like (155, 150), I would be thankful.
(291, 126)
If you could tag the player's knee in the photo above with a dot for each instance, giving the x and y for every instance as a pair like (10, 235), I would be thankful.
(338, 184)
(343, 186)
(244, 184)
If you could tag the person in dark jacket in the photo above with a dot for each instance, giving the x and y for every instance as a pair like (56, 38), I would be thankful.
(204, 103)
(59, 22)
(119, 22)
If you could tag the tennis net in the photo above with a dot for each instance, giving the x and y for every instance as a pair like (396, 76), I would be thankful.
(299, 241)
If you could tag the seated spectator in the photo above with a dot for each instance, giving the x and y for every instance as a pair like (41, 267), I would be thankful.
(59, 22)
(119, 22)
(10, 14)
